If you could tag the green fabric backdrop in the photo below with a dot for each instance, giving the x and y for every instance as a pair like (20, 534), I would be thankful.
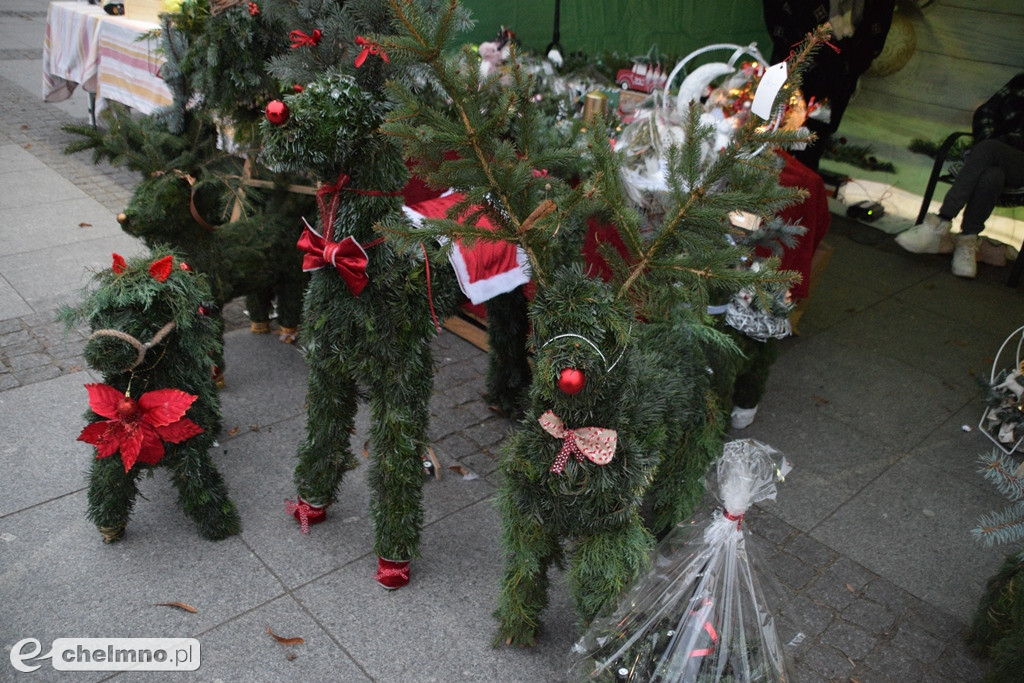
(629, 27)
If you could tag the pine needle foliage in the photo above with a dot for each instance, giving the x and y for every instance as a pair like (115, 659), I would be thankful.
(135, 303)
(641, 339)
(374, 344)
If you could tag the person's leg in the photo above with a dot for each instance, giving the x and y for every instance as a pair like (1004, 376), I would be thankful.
(990, 167)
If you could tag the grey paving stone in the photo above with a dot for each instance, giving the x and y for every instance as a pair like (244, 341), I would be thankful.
(938, 622)
(40, 373)
(870, 615)
(791, 570)
(810, 551)
(241, 649)
(911, 548)
(852, 641)
(770, 527)
(895, 663)
(897, 600)
(263, 392)
(457, 447)
(488, 432)
(828, 663)
(70, 584)
(39, 458)
(810, 617)
(918, 643)
(440, 625)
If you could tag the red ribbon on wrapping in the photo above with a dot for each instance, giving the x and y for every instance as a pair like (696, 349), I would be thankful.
(300, 39)
(369, 48)
(594, 443)
(733, 518)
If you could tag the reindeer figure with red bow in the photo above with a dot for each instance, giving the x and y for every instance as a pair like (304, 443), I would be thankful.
(370, 311)
(154, 341)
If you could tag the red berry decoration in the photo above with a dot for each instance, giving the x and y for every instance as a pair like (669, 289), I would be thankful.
(571, 381)
(277, 112)
(297, 87)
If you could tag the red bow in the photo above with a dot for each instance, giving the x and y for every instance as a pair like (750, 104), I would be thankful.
(347, 257)
(369, 48)
(300, 39)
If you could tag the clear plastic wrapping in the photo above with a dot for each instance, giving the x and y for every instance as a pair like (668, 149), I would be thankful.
(700, 614)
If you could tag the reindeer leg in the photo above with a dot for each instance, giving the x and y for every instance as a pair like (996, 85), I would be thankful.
(111, 496)
(606, 563)
(202, 493)
(530, 549)
(331, 404)
(399, 441)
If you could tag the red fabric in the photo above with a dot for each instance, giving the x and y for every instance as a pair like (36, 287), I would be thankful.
(392, 574)
(812, 213)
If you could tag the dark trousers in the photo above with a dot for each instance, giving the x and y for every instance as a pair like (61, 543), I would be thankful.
(990, 167)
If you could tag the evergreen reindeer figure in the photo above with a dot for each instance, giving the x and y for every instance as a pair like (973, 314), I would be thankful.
(154, 343)
(622, 419)
(372, 306)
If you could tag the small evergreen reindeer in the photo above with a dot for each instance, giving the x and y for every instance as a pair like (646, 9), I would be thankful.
(370, 312)
(157, 405)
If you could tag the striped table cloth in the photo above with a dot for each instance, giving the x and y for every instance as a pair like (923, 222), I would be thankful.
(106, 55)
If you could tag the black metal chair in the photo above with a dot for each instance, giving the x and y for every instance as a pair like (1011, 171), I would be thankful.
(940, 172)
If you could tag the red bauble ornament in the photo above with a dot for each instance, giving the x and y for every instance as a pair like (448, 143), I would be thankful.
(297, 87)
(571, 381)
(277, 112)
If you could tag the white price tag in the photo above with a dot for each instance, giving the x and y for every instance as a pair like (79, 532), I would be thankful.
(772, 81)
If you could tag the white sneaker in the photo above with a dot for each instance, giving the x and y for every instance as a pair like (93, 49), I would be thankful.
(926, 237)
(965, 258)
(743, 417)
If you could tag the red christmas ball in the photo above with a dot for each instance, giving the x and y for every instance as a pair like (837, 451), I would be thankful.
(571, 381)
(277, 112)
(297, 87)
(126, 408)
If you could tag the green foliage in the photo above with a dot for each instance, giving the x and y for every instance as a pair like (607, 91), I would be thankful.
(642, 339)
(135, 303)
(997, 629)
(225, 59)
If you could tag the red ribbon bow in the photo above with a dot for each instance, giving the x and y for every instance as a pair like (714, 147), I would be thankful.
(300, 39)
(369, 48)
(594, 443)
(346, 256)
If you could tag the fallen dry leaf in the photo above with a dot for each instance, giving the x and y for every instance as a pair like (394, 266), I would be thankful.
(458, 469)
(85, 225)
(233, 431)
(285, 641)
(820, 400)
(290, 656)
(366, 448)
(254, 428)
(179, 605)
(851, 588)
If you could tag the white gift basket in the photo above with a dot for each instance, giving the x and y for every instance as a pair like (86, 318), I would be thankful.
(1003, 419)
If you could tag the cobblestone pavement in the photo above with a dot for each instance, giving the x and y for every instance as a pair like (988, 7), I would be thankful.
(857, 625)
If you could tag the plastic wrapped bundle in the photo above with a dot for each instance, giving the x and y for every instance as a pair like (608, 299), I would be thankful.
(700, 614)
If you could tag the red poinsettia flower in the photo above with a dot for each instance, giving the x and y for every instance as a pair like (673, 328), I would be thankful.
(161, 268)
(138, 428)
(119, 264)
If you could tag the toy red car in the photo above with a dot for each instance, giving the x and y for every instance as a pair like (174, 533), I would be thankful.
(641, 77)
